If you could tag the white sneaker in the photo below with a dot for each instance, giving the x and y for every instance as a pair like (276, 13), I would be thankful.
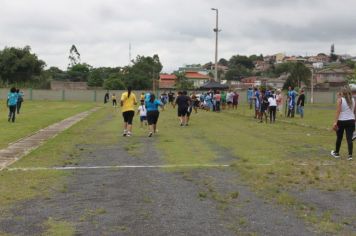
(349, 158)
(334, 154)
(128, 134)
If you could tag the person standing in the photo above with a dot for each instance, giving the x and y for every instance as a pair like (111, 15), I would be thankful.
(217, 97)
(19, 100)
(344, 121)
(279, 100)
(250, 97)
(106, 97)
(264, 106)
(257, 101)
(272, 102)
(235, 100)
(291, 101)
(128, 102)
(300, 104)
(11, 102)
(153, 113)
(229, 99)
(113, 98)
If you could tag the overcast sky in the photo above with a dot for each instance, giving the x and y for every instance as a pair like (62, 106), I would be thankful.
(179, 31)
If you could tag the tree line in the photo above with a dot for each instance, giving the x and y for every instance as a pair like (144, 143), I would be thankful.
(21, 68)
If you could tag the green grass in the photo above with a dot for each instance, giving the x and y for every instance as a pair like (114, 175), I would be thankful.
(60, 228)
(59, 151)
(267, 156)
(36, 115)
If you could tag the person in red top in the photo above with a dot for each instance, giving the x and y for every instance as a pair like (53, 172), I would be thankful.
(217, 97)
(235, 100)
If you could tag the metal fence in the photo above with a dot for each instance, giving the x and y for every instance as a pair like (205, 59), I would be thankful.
(98, 95)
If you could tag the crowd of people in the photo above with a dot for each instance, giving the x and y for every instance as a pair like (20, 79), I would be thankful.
(15, 98)
(268, 103)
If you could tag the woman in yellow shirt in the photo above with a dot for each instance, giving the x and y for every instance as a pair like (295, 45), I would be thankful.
(128, 102)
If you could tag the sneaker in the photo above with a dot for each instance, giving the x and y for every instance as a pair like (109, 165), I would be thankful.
(181, 124)
(349, 158)
(186, 124)
(335, 154)
(128, 134)
(354, 137)
(150, 134)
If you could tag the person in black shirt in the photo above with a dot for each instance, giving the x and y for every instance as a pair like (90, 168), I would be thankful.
(183, 102)
(300, 103)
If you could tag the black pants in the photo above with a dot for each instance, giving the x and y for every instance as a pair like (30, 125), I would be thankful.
(18, 107)
(272, 113)
(12, 112)
(349, 127)
(291, 111)
(114, 102)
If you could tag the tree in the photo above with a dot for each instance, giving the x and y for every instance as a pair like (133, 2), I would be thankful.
(223, 62)
(241, 60)
(237, 72)
(79, 72)
(74, 56)
(142, 72)
(298, 73)
(19, 65)
(114, 82)
(182, 82)
(96, 78)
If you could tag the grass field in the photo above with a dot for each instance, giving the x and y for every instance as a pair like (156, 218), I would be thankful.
(36, 115)
(274, 159)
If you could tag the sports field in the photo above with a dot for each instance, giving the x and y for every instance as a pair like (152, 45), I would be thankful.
(271, 179)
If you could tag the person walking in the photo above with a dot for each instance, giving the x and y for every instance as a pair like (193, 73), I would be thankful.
(300, 104)
(19, 100)
(11, 102)
(344, 121)
(183, 103)
(128, 102)
(106, 97)
(153, 113)
(142, 111)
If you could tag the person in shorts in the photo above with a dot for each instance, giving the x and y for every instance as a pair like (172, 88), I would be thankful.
(128, 102)
(183, 103)
(142, 111)
(113, 98)
(11, 103)
(153, 113)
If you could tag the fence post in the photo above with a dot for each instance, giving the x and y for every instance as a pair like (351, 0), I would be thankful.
(94, 95)
(334, 97)
(30, 94)
(63, 95)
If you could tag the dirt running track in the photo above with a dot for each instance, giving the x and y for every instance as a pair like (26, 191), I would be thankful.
(152, 201)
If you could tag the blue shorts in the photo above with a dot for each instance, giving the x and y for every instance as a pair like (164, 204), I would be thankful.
(142, 118)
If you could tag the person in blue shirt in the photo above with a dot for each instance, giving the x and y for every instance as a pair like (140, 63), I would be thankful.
(291, 101)
(152, 105)
(11, 102)
(250, 96)
(19, 100)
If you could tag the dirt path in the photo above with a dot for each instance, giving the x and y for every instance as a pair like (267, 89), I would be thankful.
(151, 201)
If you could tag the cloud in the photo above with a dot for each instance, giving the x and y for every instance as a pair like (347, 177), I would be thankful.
(180, 31)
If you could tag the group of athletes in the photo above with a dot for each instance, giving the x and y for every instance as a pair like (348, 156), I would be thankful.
(148, 109)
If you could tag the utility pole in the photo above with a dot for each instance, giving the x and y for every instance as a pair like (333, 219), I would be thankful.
(216, 30)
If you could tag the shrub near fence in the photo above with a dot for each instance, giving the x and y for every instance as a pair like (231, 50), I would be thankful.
(98, 95)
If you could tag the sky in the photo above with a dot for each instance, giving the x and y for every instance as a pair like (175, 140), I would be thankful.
(179, 31)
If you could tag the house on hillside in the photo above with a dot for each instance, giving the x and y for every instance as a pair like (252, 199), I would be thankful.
(320, 58)
(197, 78)
(167, 81)
(332, 77)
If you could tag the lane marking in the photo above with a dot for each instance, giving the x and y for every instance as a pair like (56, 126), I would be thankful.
(116, 167)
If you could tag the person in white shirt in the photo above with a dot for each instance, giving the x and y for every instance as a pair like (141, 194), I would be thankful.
(143, 113)
(272, 107)
(344, 121)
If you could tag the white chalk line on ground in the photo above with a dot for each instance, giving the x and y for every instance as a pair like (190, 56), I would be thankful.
(64, 168)
(117, 167)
